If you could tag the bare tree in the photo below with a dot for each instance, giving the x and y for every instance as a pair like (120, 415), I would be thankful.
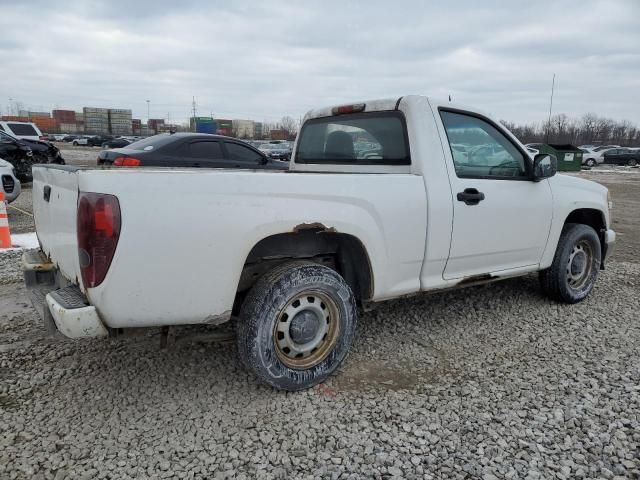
(289, 125)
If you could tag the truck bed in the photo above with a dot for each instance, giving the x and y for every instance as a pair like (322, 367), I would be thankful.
(186, 233)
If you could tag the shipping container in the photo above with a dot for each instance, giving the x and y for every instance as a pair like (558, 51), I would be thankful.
(116, 111)
(224, 131)
(67, 128)
(86, 110)
(46, 125)
(64, 116)
(224, 123)
(206, 127)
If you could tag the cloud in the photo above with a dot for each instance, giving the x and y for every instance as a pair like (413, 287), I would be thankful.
(263, 60)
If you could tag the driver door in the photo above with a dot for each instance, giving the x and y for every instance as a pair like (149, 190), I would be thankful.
(501, 218)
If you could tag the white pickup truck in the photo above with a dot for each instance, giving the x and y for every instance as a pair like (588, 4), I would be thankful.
(376, 205)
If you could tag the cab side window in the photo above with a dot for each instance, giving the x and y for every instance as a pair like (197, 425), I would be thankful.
(480, 150)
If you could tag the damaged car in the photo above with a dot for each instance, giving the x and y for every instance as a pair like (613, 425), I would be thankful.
(24, 153)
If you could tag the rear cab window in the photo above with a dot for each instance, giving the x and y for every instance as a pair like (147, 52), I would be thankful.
(372, 138)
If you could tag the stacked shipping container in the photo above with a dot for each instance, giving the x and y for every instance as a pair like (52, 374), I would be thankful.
(96, 120)
(224, 127)
(120, 121)
(64, 116)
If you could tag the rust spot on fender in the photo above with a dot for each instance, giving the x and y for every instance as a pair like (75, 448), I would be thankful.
(313, 226)
(218, 319)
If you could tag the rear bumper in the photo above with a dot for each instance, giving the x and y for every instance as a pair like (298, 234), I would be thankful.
(62, 308)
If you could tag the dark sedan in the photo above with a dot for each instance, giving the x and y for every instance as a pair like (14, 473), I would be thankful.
(189, 150)
(276, 151)
(622, 156)
(116, 143)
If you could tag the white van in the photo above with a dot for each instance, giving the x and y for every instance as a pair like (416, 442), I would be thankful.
(22, 130)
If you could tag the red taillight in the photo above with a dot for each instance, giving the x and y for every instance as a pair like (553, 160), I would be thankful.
(42, 137)
(126, 162)
(355, 108)
(98, 227)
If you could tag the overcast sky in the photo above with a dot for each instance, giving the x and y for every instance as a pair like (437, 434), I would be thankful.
(265, 59)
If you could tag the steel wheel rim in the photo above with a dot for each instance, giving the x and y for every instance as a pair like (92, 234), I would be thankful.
(579, 265)
(298, 345)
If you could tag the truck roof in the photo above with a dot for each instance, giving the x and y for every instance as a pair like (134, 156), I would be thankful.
(393, 103)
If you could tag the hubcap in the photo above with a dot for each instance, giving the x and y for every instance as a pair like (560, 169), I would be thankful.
(306, 330)
(579, 265)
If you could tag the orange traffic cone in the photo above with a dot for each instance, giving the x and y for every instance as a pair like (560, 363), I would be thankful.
(5, 234)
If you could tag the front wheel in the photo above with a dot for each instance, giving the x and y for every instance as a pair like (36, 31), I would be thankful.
(574, 270)
(632, 162)
(75, 144)
(296, 325)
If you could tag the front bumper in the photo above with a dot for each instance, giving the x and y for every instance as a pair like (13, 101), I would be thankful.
(9, 184)
(609, 244)
(61, 305)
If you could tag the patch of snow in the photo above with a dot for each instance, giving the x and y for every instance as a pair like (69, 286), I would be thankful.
(21, 241)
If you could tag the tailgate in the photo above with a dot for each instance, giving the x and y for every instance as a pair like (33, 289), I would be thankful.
(55, 203)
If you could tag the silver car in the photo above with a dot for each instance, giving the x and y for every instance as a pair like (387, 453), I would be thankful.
(9, 184)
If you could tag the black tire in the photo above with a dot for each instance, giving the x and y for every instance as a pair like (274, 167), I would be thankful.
(632, 162)
(75, 144)
(591, 162)
(263, 315)
(564, 281)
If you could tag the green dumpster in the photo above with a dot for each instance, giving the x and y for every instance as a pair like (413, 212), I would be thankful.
(569, 156)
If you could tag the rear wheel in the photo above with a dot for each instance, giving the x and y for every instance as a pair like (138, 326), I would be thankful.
(591, 162)
(574, 270)
(75, 144)
(297, 325)
(632, 162)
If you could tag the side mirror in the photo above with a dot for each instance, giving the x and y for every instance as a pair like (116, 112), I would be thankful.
(544, 166)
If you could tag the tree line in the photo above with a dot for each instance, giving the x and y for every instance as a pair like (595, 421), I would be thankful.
(590, 129)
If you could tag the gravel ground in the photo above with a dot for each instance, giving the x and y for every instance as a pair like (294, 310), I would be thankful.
(488, 382)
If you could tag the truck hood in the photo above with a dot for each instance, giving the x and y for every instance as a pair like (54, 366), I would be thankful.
(560, 181)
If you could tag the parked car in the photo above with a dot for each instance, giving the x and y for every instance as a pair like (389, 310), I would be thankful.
(18, 154)
(188, 150)
(293, 253)
(593, 157)
(116, 143)
(59, 137)
(622, 156)
(41, 152)
(604, 147)
(9, 182)
(22, 130)
(99, 140)
(276, 151)
(80, 140)
(69, 138)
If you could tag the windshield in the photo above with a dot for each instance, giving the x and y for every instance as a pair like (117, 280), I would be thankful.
(363, 138)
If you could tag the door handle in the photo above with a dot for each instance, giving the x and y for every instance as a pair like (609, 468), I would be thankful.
(470, 196)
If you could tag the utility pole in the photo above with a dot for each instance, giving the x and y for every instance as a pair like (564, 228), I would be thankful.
(193, 107)
(553, 84)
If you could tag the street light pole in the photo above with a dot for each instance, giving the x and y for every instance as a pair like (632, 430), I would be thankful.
(148, 115)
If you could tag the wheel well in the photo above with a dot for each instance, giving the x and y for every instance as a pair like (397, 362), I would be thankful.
(592, 217)
(342, 252)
